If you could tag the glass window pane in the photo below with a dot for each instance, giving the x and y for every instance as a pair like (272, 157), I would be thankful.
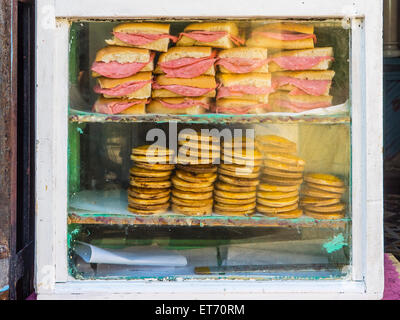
(251, 176)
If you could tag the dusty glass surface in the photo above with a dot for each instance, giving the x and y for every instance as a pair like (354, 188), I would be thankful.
(245, 235)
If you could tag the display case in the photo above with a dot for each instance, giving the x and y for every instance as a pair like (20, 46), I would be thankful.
(209, 150)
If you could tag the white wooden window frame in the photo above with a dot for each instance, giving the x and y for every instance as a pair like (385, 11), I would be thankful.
(51, 276)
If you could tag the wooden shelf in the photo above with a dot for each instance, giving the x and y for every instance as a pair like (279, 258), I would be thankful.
(329, 117)
(109, 207)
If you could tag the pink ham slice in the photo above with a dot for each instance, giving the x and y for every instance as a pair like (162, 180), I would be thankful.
(298, 63)
(312, 87)
(186, 91)
(286, 35)
(187, 67)
(211, 36)
(142, 38)
(186, 104)
(301, 107)
(123, 89)
(116, 70)
(240, 90)
(241, 65)
(113, 107)
(242, 110)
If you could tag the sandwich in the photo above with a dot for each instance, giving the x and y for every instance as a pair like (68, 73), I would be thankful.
(223, 35)
(137, 86)
(202, 86)
(243, 60)
(240, 106)
(298, 60)
(153, 36)
(186, 62)
(315, 83)
(195, 105)
(283, 35)
(283, 101)
(122, 62)
(120, 106)
(253, 86)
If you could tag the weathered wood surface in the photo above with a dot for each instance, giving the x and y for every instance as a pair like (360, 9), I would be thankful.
(8, 137)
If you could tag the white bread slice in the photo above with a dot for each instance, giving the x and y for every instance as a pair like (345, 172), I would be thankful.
(245, 52)
(228, 26)
(122, 54)
(185, 52)
(154, 28)
(155, 106)
(316, 52)
(305, 75)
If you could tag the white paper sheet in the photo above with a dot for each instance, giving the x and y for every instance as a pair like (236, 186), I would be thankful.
(143, 256)
(195, 258)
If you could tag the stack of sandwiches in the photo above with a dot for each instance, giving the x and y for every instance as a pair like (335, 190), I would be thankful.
(322, 194)
(235, 193)
(150, 180)
(300, 74)
(195, 175)
(244, 81)
(123, 80)
(278, 69)
(124, 68)
(186, 81)
(282, 175)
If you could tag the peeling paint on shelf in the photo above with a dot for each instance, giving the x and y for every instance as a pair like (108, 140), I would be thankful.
(335, 244)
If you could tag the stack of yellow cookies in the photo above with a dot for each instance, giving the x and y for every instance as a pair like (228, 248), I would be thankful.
(322, 194)
(235, 193)
(150, 180)
(282, 175)
(194, 178)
